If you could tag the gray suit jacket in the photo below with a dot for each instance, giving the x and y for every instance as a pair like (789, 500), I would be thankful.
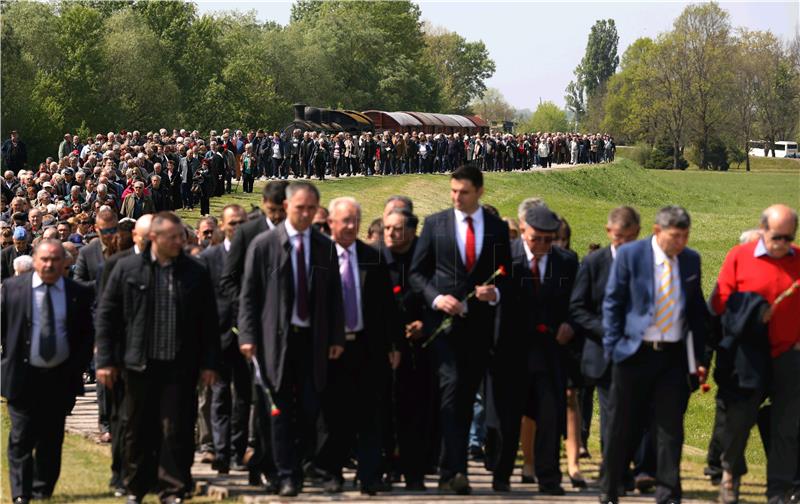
(89, 266)
(267, 299)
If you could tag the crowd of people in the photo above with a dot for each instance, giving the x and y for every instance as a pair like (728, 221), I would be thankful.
(279, 343)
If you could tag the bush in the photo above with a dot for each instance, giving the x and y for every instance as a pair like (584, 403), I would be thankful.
(640, 153)
(661, 157)
(716, 155)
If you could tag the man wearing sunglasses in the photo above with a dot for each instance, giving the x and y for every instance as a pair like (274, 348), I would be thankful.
(767, 267)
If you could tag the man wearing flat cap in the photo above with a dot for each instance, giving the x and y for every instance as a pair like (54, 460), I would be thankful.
(21, 246)
(534, 332)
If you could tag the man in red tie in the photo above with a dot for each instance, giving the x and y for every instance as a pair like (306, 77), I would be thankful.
(458, 250)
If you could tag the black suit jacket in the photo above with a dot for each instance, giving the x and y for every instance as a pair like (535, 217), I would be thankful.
(379, 311)
(437, 269)
(215, 258)
(90, 262)
(7, 260)
(231, 278)
(546, 308)
(17, 309)
(586, 310)
(267, 299)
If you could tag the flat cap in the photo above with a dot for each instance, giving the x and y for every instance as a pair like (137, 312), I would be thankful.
(542, 218)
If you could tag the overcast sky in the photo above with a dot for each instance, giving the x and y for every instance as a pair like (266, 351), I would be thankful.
(537, 45)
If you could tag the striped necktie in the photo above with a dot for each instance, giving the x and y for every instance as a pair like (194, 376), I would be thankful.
(665, 303)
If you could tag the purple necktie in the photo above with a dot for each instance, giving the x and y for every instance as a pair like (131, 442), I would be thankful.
(302, 280)
(349, 292)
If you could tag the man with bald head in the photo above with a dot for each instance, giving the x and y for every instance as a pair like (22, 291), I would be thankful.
(47, 342)
(116, 396)
(767, 267)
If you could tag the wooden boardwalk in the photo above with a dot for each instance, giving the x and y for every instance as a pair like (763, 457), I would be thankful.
(234, 486)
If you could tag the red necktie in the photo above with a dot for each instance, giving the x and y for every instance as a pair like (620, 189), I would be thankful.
(535, 271)
(470, 245)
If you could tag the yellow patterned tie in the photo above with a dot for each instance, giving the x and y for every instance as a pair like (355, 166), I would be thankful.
(666, 301)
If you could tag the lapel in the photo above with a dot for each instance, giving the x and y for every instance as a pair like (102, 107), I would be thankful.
(683, 266)
(27, 302)
(72, 300)
(318, 259)
(450, 223)
(649, 266)
(362, 267)
(285, 264)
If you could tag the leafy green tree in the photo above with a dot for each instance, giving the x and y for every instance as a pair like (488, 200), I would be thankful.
(492, 106)
(462, 68)
(598, 64)
(547, 117)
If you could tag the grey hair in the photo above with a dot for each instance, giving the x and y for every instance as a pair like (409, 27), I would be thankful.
(527, 204)
(49, 241)
(155, 177)
(765, 218)
(673, 216)
(23, 264)
(343, 199)
(297, 186)
(405, 199)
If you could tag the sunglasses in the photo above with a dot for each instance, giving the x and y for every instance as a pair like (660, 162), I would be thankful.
(108, 231)
(787, 238)
(208, 232)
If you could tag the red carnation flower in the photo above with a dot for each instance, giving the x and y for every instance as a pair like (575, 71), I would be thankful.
(705, 387)
(397, 289)
(275, 411)
(542, 328)
(502, 270)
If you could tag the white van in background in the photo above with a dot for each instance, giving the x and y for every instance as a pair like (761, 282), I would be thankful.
(782, 149)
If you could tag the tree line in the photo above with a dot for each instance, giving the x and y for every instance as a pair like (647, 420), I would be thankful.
(700, 91)
(98, 66)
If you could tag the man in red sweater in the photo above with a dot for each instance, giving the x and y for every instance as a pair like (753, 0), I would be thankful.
(769, 266)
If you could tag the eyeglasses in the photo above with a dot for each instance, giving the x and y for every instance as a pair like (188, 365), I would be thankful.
(108, 231)
(787, 238)
(208, 232)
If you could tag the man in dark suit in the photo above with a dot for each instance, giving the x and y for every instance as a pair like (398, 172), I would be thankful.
(47, 341)
(228, 417)
(458, 250)
(542, 276)
(91, 258)
(217, 169)
(586, 305)
(116, 416)
(654, 323)
(158, 306)
(351, 402)
(291, 319)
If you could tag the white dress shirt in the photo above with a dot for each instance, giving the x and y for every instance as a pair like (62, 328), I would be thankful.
(675, 332)
(357, 282)
(461, 232)
(292, 232)
(541, 265)
(270, 225)
(227, 244)
(59, 297)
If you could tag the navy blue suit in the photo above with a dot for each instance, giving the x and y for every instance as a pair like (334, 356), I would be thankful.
(648, 382)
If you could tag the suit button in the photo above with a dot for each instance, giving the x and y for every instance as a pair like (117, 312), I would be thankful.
(24, 360)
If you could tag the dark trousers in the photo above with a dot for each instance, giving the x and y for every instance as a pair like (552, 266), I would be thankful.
(350, 409)
(119, 422)
(105, 403)
(461, 360)
(205, 204)
(416, 412)
(294, 430)
(784, 420)
(230, 407)
(739, 415)
(186, 195)
(259, 440)
(714, 455)
(37, 433)
(648, 385)
(161, 406)
(247, 182)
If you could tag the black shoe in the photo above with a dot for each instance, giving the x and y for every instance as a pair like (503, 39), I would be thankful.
(577, 481)
(476, 453)
(221, 466)
(460, 484)
(528, 480)
(501, 486)
(314, 474)
(255, 478)
(333, 485)
(287, 489)
(714, 474)
(370, 488)
(415, 486)
(551, 489)
(584, 454)
(644, 483)
(608, 499)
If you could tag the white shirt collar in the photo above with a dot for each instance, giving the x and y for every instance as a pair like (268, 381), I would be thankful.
(658, 255)
(477, 215)
(292, 232)
(270, 224)
(37, 282)
(351, 249)
(613, 252)
(529, 254)
(227, 244)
